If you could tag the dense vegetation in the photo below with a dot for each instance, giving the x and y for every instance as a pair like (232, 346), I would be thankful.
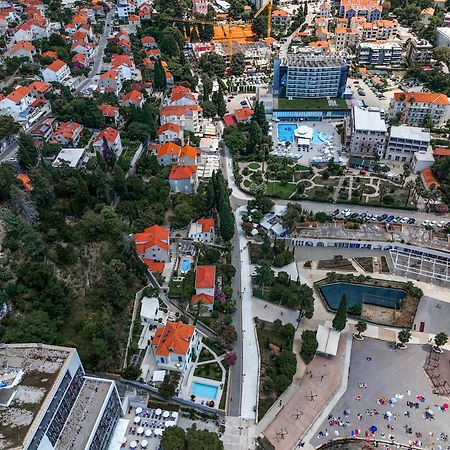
(176, 438)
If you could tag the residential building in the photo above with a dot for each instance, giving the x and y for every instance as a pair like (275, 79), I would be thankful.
(134, 20)
(404, 141)
(133, 98)
(43, 132)
(310, 74)
(151, 313)
(368, 132)
(429, 181)
(421, 161)
(209, 145)
(243, 115)
(412, 108)
(370, 9)
(57, 72)
(379, 53)
(203, 231)
(281, 18)
(67, 133)
(17, 102)
(22, 49)
(110, 81)
(149, 42)
(200, 7)
(183, 179)
(59, 420)
(170, 132)
(125, 8)
(441, 152)
(124, 65)
(110, 113)
(324, 10)
(446, 22)
(381, 30)
(171, 153)
(188, 117)
(181, 96)
(346, 38)
(175, 346)
(205, 286)
(153, 244)
(418, 51)
(443, 36)
(72, 157)
(111, 137)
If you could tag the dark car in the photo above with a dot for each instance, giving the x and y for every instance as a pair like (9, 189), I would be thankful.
(354, 216)
(362, 216)
(335, 212)
(390, 219)
(382, 217)
(411, 221)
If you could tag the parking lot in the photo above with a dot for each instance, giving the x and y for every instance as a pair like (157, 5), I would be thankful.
(235, 102)
(370, 99)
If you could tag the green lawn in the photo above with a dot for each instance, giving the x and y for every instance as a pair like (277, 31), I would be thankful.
(247, 183)
(210, 371)
(311, 103)
(280, 190)
(205, 355)
(254, 165)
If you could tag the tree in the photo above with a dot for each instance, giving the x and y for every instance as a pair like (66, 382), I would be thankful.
(212, 64)
(440, 340)
(361, 326)
(442, 53)
(219, 101)
(169, 385)
(200, 440)
(234, 139)
(406, 173)
(237, 8)
(259, 116)
(340, 319)
(309, 346)
(262, 203)
(28, 156)
(159, 76)
(183, 214)
(404, 337)
(209, 109)
(264, 275)
(169, 46)
(138, 131)
(305, 300)
(174, 438)
(255, 138)
(8, 127)
(131, 372)
(230, 358)
(238, 63)
(410, 186)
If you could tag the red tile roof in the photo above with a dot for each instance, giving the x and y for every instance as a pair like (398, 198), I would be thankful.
(25, 179)
(441, 152)
(423, 97)
(134, 96)
(108, 110)
(169, 148)
(157, 267)
(152, 236)
(110, 134)
(22, 45)
(429, 179)
(120, 60)
(179, 92)
(185, 110)
(18, 94)
(169, 127)
(204, 298)
(229, 120)
(148, 40)
(56, 65)
(39, 86)
(207, 224)
(175, 337)
(243, 114)
(181, 172)
(205, 277)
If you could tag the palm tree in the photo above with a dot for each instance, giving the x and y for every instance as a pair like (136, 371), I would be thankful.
(406, 173)
(410, 186)
(404, 337)
(361, 326)
(439, 340)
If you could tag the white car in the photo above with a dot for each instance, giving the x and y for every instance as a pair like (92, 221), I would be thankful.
(426, 223)
(433, 223)
(441, 223)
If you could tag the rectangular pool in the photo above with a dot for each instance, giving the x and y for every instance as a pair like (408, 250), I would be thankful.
(358, 294)
(204, 390)
(286, 132)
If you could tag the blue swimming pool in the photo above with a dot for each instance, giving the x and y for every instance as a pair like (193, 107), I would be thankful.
(357, 294)
(286, 133)
(204, 390)
(185, 265)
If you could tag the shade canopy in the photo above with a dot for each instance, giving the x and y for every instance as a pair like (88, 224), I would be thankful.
(158, 412)
(137, 419)
(133, 444)
(144, 443)
(166, 414)
(140, 430)
(148, 433)
(138, 410)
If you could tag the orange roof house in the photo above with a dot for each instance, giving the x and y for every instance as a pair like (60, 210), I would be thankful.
(134, 97)
(50, 54)
(206, 223)
(205, 277)
(109, 110)
(25, 179)
(110, 134)
(168, 127)
(155, 267)
(202, 298)
(422, 97)
(429, 180)
(441, 152)
(182, 172)
(243, 114)
(154, 236)
(175, 337)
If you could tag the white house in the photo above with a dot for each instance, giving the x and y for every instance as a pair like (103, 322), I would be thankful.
(73, 157)
(153, 244)
(203, 231)
(56, 72)
(112, 137)
(151, 314)
(170, 132)
(175, 346)
(183, 179)
(187, 117)
(205, 285)
(17, 101)
(124, 65)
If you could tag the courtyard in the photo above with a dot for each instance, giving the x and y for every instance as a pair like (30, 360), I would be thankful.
(389, 397)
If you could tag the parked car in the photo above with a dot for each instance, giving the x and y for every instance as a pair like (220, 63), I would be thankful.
(335, 213)
(390, 219)
(354, 216)
(383, 217)
(362, 216)
(411, 221)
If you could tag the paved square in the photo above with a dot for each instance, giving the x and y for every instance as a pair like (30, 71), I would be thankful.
(388, 373)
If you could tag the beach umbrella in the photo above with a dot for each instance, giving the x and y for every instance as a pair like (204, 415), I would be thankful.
(393, 400)
(148, 433)
(144, 443)
(140, 430)
(158, 412)
(133, 444)
(137, 419)
(166, 414)
(158, 432)
(170, 423)
(373, 428)
(138, 410)
(429, 411)
(389, 413)
(445, 405)
(175, 414)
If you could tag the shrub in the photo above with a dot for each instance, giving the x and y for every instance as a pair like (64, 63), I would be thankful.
(309, 346)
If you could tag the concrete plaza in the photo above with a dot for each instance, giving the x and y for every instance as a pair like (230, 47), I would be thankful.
(389, 374)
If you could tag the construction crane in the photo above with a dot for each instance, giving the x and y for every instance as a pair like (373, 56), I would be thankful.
(267, 3)
(229, 25)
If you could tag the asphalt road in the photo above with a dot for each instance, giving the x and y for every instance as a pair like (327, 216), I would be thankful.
(100, 49)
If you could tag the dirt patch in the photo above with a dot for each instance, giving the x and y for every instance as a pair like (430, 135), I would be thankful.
(336, 264)
(274, 348)
(366, 263)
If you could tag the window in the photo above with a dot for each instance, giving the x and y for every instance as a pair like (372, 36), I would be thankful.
(180, 359)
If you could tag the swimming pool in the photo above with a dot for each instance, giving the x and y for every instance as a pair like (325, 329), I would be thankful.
(286, 133)
(204, 390)
(357, 294)
(185, 265)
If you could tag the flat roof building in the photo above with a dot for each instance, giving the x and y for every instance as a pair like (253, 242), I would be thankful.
(405, 141)
(379, 53)
(47, 402)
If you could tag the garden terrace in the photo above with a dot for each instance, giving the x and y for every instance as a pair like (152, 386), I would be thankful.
(311, 104)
